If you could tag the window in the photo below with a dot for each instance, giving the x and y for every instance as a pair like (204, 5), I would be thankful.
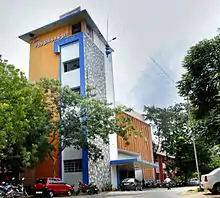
(128, 180)
(59, 181)
(71, 65)
(71, 166)
(41, 181)
(52, 181)
(76, 28)
(76, 89)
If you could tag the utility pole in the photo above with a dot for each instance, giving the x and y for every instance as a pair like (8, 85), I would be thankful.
(194, 145)
(107, 30)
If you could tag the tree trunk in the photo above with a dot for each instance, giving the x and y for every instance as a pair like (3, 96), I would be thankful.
(186, 177)
(54, 167)
(54, 163)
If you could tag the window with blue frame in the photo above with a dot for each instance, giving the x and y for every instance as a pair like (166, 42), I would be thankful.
(71, 65)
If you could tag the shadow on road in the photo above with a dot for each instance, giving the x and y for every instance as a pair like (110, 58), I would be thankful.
(211, 196)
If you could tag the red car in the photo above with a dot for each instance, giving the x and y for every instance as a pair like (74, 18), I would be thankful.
(52, 186)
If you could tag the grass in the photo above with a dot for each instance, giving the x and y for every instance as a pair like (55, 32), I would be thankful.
(202, 190)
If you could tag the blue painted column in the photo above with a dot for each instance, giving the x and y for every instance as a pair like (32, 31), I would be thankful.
(118, 177)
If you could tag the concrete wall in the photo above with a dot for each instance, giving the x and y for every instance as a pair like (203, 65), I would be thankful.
(70, 154)
(126, 156)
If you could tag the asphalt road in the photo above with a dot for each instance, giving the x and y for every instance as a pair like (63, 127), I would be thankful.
(154, 193)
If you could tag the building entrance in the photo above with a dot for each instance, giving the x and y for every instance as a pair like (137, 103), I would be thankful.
(125, 172)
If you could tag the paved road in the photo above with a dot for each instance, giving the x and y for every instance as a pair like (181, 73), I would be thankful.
(154, 193)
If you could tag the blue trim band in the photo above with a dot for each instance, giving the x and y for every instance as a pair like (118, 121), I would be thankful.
(123, 161)
(57, 49)
(68, 40)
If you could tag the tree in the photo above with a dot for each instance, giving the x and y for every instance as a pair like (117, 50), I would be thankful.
(215, 157)
(173, 135)
(201, 85)
(83, 119)
(23, 120)
(167, 123)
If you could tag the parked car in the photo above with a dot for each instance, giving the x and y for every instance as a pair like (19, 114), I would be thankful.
(52, 186)
(194, 182)
(211, 181)
(131, 184)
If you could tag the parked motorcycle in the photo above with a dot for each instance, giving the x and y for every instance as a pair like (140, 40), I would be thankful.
(89, 189)
(19, 190)
(12, 190)
(6, 189)
(168, 185)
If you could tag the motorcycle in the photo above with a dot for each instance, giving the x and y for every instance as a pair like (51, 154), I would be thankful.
(6, 189)
(168, 185)
(90, 189)
(20, 191)
(12, 190)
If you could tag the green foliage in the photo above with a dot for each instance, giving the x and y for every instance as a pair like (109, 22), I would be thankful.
(23, 119)
(168, 123)
(215, 157)
(201, 85)
(172, 131)
(84, 120)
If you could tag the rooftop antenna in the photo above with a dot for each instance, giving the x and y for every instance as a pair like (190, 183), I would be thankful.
(107, 30)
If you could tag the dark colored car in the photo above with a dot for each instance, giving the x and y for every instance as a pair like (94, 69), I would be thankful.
(131, 184)
(51, 187)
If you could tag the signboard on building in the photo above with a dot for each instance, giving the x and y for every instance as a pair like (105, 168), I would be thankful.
(52, 39)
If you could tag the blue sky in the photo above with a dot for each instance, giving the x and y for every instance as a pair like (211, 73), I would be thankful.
(160, 29)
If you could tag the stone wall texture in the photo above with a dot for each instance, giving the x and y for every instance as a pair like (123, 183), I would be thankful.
(95, 68)
(99, 172)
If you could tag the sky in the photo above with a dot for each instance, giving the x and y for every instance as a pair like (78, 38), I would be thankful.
(162, 30)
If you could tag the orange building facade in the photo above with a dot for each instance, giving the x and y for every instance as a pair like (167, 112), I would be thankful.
(141, 145)
(137, 157)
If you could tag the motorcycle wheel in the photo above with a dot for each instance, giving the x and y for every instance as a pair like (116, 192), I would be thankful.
(77, 192)
(2, 194)
(90, 192)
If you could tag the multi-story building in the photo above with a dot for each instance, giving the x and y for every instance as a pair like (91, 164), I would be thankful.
(73, 50)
